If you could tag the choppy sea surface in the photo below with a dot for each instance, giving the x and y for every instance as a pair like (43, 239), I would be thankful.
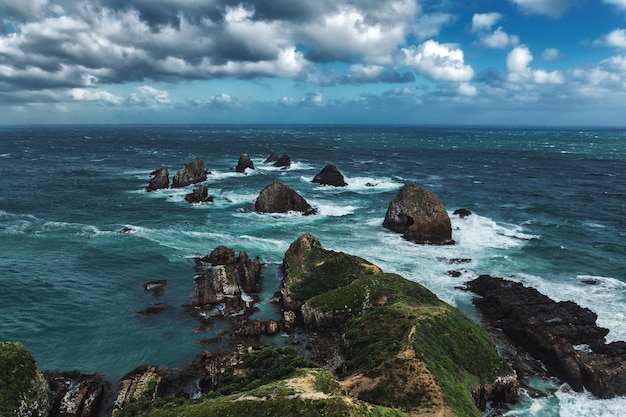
(547, 204)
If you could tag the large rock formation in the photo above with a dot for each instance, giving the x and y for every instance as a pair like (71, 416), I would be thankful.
(402, 347)
(244, 163)
(278, 198)
(271, 158)
(563, 335)
(160, 179)
(140, 385)
(418, 214)
(330, 175)
(190, 173)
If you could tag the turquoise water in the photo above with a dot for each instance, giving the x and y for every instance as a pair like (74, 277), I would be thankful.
(548, 211)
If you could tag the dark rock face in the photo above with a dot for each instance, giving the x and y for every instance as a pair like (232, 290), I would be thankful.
(418, 214)
(142, 382)
(244, 162)
(278, 198)
(190, 173)
(563, 335)
(330, 175)
(159, 179)
(283, 162)
(79, 395)
(222, 281)
(199, 195)
(462, 212)
(272, 158)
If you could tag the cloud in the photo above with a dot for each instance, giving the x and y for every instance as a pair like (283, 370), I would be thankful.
(485, 21)
(616, 39)
(517, 62)
(552, 8)
(498, 39)
(551, 54)
(439, 62)
(621, 4)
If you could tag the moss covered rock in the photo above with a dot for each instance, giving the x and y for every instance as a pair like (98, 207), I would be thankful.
(23, 388)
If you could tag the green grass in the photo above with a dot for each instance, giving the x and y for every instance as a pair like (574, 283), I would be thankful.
(17, 375)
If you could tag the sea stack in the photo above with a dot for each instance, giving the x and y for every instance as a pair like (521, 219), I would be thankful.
(418, 214)
(278, 198)
(330, 175)
(244, 162)
(190, 173)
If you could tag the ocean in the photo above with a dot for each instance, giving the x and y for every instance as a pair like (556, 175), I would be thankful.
(547, 210)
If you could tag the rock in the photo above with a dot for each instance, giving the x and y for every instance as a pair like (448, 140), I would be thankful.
(418, 214)
(278, 198)
(157, 288)
(563, 335)
(190, 173)
(141, 384)
(283, 162)
(153, 310)
(503, 390)
(199, 195)
(75, 394)
(330, 175)
(24, 390)
(222, 255)
(258, 328)
(159, 179)
(249, 273)
(244, 162)
(462, 212)
(272, 158)
(222, 281)
(217, 285)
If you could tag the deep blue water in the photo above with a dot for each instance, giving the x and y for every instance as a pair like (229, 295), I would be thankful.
(548, 211)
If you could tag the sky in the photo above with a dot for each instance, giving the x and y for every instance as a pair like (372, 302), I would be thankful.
(423, 62)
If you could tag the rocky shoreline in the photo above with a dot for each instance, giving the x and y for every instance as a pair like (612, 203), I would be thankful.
(360, 341)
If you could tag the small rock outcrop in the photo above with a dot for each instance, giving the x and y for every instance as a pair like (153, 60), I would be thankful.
(190, 173)
(462, 212)
(563, 335)
(75, 394)
(199, 195)
(140, 384)
(244, 163)
(157, 287)
(418, 214)
(283, 162)
(330, 175)
(222, 278)
(278, 198)
(271, 158)
(160, 179)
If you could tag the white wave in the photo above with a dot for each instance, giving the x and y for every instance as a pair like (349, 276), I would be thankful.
(5, 155)
(332, 210)
(359, 184)
(480, 232)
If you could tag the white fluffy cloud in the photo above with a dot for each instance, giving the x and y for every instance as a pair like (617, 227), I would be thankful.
(517, 65)
(485, 21)
(498, 39)
(438, 61)
(553, 8)
(616, 38)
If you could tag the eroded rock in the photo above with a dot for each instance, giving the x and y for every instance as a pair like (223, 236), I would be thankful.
(190, 173)
(278, 198)
(159, 179)
(330, 175)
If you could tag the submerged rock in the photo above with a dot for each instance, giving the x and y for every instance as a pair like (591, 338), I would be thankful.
(190, 173)
(160, 179)
(244, 163)
(563, 335)
(330, 175)
(278, 198)
(157, 287)
(418, 214)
